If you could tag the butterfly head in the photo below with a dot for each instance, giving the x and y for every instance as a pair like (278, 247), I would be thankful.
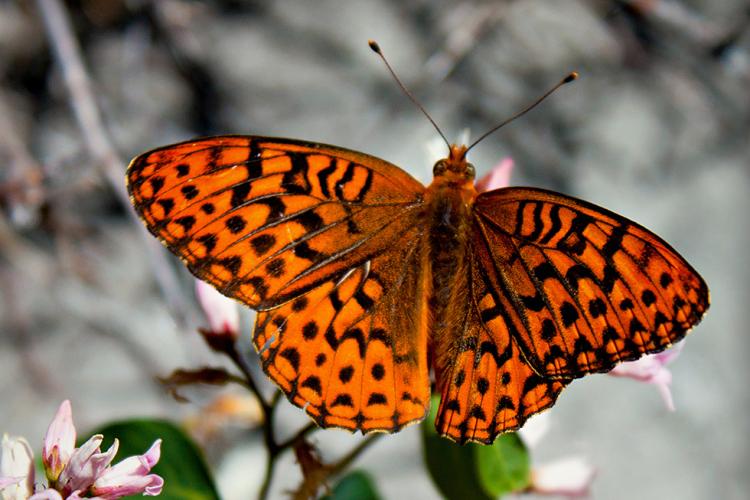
(455, 168)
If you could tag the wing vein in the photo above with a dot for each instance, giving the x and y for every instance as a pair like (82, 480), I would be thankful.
(539, 287)
(506, 289)
(344, 251)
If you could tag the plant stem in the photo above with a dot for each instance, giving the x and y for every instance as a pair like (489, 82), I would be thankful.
(270, 466)
(273, 448)
(300, 434)
(67, 54)
(347, 459)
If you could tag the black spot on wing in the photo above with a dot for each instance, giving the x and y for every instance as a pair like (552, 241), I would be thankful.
(167, 204)
(263, 243)
(343, 400)
(235, 224)
(346, 373)
(310, 330)
(292, 355)
(569, 314)
(312, 382)
(377, 398)
(356, 334)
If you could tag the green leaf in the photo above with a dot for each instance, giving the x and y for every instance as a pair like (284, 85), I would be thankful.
(474, 470)
(357, 484)
(186, 475)
(452, 467)
(503, 467)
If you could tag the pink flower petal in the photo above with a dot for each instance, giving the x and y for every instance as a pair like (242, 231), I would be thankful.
(59, 443)
(498, 177)
(666, 357)
(571, 477)
(652, 369)
(16, 468)
(222, 312)
(131, 476)
(86, 464)
(48, 494)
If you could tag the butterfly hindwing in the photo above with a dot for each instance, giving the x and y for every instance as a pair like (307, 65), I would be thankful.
(583, 288)
(346, 352)
(488, 386)
(264, 219)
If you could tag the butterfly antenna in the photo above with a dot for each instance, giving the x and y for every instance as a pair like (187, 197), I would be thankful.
(376, 48)
(528, 108)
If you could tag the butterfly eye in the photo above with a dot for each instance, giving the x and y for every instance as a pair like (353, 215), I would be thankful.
(470, 173)
(440, 167)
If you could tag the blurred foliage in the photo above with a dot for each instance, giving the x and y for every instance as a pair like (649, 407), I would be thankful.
(357, 484)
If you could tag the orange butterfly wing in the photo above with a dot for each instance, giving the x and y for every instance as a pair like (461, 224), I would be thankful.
(590, 288)
(299, 231)
(488, 387)
(356, 355)
(264, 220)
(561, 288)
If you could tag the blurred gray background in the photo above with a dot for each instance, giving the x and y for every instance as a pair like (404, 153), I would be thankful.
(656, 129)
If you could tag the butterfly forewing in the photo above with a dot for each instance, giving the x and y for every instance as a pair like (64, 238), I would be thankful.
(264, 220)
(581, 287)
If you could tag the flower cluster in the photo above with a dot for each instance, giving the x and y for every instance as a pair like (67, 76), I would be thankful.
(73, 473)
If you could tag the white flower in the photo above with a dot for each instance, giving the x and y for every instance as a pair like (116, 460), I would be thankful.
(75, 473)
(86, 465)
(16, 469)
(570, 476)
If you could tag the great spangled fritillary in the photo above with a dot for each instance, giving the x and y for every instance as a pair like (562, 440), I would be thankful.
(364, 279)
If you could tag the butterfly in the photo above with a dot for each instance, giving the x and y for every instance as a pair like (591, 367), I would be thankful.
(364, 280)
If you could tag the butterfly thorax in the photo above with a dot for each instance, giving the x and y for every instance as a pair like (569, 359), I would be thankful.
(449, 201)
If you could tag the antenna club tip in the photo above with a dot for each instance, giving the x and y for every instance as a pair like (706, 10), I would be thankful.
(572, 76)
(374, 46)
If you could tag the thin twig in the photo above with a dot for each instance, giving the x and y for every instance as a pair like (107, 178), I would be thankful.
(347, 459)
(272, 448)
(312, 426)
(239, 360)
(67, 54)
(267, 409)
(23, 188)
(268, 476)
(317, 474)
